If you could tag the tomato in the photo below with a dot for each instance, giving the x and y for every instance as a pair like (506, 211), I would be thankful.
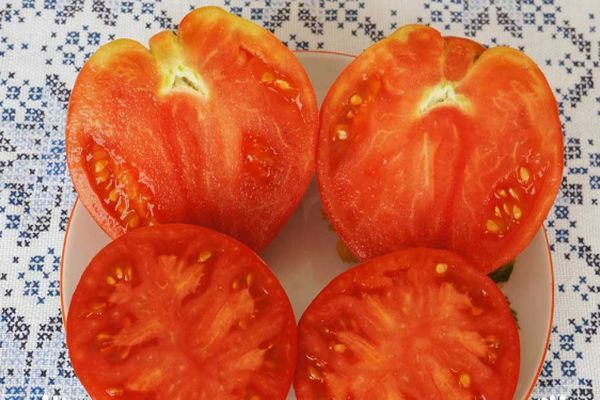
(415, 324)
(181, 312)
(214, 126)
(438, 142)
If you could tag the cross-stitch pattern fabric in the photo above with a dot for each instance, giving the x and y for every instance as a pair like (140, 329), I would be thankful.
(44, 43)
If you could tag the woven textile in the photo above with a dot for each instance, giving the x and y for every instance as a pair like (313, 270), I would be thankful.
(44, 43)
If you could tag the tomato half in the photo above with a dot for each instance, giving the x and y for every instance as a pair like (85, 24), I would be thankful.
(181, 312)
(214, 126)
(412, 325)
(438, 142)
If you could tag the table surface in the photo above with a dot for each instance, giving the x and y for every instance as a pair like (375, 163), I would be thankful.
(44, 43)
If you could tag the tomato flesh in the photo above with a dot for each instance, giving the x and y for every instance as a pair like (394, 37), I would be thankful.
(194, 131)
(178, 311)
(438, 142)
(414, 324)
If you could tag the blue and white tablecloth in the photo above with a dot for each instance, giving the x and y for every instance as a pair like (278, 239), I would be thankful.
(44, 43)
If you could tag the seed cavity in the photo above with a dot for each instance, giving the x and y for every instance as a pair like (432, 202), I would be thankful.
(441, 268)
(124, 196)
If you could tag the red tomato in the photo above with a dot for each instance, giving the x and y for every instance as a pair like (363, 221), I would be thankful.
(418, 324)
(437, 142)
(214, 126)
(181, 312)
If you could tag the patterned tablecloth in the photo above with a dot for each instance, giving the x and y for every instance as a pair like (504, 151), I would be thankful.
(44, 43)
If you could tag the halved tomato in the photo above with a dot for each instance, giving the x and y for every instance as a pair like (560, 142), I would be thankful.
(438, 142)
(214, 126)
(181, 312)
(411, 325)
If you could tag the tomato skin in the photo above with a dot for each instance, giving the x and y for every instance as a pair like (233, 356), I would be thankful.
(416, 145)
(180, 310)
(407, 325)
(191, 131)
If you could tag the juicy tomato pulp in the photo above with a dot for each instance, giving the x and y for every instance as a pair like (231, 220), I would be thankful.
(411, 325)
(437, 142)
(200, 129)
(181, 312)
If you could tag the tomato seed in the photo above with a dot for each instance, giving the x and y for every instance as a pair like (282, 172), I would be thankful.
(492, 357)
(99, 166)
(356, 100)
(110, 280)
(476, 311)
(513, 193)
(339, 348)
(113, 196)
(492, 226)
(204, 256)
(441, 268)
(267, 77)
(249, 280)
(465, 380)
(314, 374)
(119, 273)
(497, 211)
(114, 392)
(133, 221)
(341, 132)
(524, 175)
(517, 212)
(128, 273)
(282, 85)
(506, 208)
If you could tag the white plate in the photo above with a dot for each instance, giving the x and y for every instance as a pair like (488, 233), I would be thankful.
(304, 256)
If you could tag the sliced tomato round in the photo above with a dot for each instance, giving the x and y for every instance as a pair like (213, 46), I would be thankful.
(435, 141)
(215, 126)
(415, 324)
(181, 312)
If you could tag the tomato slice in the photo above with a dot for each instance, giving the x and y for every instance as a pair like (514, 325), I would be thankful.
(415, 324)
(214, 126)
(438, 142)
(181, 312)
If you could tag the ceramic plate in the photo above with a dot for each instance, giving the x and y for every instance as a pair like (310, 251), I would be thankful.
(305, 259)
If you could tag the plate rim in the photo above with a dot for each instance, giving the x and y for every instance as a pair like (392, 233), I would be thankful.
(335, 53)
